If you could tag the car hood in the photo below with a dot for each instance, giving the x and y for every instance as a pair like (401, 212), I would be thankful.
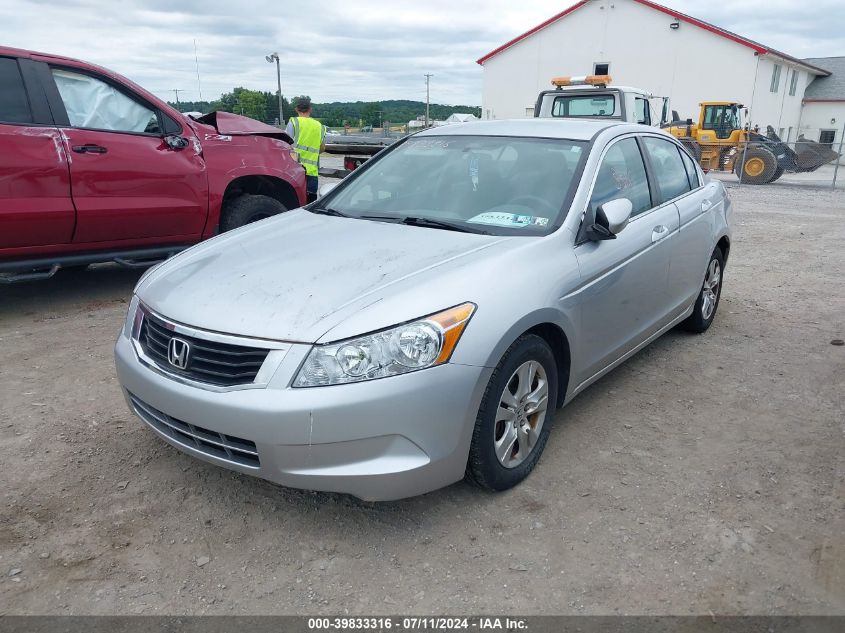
(296, 276)
(231, 124)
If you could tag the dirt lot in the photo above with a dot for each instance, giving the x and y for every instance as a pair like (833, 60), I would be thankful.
(704, 475)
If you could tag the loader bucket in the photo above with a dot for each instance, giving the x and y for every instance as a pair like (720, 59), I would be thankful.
(811, 155)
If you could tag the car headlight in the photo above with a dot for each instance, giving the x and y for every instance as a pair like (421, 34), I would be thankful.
(408, 347)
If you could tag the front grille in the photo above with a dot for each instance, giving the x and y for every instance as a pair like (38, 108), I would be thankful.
(207, 361)
(228, 447)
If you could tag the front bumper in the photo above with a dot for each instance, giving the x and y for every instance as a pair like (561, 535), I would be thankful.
(378, 440)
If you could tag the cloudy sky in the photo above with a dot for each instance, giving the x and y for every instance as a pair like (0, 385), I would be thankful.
(347, 50)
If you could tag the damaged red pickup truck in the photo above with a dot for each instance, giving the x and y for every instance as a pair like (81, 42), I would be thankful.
(94, 168)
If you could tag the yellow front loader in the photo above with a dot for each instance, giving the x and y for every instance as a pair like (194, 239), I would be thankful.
(720, 142)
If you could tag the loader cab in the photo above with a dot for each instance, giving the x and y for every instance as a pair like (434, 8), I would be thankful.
(722, 119)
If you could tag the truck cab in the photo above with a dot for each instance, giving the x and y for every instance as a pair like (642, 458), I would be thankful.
(592, 97)
(93, 168)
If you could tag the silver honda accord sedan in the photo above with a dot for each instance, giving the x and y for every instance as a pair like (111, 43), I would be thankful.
(424, 320)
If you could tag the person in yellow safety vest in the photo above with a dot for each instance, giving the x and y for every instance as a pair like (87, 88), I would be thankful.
(309, 139)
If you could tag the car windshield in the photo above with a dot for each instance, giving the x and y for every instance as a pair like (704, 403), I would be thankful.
(487, 184)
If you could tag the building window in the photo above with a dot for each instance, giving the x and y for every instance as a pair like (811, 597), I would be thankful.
(793, 83)
(775, 86)
(601, 68)
(826, 137)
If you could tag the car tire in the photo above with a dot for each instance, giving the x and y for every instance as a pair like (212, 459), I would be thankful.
(526, 423)
(246, 209)
(707, 302)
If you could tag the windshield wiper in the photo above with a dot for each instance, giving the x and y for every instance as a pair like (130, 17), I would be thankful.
(427, 222)
(327, 211)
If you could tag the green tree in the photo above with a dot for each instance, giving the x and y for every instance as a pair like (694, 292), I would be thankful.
(371, 113)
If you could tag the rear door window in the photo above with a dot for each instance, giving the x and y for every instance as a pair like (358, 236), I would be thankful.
(95, 104)
(669, 170)
(622, 175)
(14, 103)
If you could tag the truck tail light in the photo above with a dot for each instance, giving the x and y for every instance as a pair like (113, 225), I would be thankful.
(351, 163)
(294, 156)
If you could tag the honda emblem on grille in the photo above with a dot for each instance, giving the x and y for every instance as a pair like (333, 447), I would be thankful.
(178, 352)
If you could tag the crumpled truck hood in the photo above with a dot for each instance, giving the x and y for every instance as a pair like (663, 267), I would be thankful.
(296, 276)
(237, 125)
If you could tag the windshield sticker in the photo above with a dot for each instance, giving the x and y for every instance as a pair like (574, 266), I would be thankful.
(508, 219)
(428, 143)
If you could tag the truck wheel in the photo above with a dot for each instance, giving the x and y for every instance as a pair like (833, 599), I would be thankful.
(778, 173)
(248, 208)
(692, 147)
(759, 167)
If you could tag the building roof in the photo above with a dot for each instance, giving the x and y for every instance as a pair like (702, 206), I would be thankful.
(744, 41)
(830, 88)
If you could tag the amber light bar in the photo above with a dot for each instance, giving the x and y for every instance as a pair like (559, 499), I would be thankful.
(586, 80)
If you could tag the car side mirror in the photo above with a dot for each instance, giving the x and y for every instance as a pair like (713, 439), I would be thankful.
(611, 218)
(176, 142)
(325, 189)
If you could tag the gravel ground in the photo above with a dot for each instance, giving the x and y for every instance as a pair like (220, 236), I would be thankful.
(705, 475)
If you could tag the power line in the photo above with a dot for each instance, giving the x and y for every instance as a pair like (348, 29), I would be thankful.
(197, 62)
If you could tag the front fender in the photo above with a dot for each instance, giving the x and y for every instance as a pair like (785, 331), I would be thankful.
(248, 156)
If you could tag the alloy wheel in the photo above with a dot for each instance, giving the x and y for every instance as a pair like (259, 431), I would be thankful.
(521, 414)
(710, 291)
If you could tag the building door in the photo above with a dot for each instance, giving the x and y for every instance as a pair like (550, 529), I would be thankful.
(827, 137)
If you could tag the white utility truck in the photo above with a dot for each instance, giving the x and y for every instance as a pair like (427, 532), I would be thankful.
(592, 97)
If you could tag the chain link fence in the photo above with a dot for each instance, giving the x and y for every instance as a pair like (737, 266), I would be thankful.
(730, 150)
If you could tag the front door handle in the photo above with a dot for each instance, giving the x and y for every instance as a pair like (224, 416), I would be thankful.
(89, 149)
(658, 233)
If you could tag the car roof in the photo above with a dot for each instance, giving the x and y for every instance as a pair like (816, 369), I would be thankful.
(540, 128)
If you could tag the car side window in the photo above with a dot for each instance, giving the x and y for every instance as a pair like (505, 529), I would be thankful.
(14, 103)
(95, 104)
(692, 172)
(669, 170)
(622, 175)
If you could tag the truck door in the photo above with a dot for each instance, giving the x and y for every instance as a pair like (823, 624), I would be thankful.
(35, 203)
(128, 183)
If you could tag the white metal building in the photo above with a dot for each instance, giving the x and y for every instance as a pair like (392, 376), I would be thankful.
(823, 114)
(644, 44)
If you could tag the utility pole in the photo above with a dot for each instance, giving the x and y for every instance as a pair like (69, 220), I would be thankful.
(428, 77)
(270, 58)
(176, 91)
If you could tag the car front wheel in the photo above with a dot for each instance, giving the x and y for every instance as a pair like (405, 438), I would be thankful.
(707, 302)
(515, 415)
